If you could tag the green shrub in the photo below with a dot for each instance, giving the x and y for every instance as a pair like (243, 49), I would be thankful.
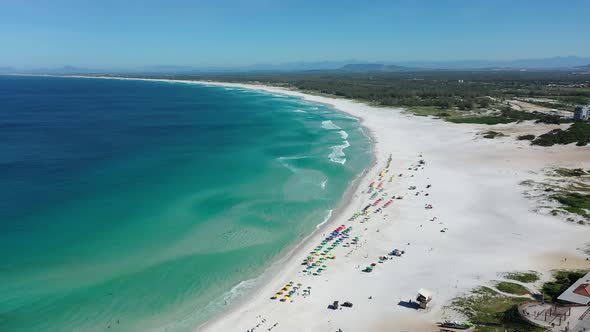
(578, 132)
(489, 120)
(526, 137)
(571, 172)
(550, 119)
(574, 202)
(492, 134)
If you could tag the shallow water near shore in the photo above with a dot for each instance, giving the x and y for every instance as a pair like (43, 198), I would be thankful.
(140, 205)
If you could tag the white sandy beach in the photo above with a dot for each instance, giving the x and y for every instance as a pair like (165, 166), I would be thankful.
(475, 193)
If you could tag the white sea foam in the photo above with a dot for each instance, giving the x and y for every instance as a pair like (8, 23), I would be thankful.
(323, 185)
(292, 157)
(216, 305)
(328, 124)
(299, 111)
(337, 155)
(230, 296)
(283, 161)
(325, 219)
(239, 290)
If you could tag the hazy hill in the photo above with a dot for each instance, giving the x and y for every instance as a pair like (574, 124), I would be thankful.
(374, 68)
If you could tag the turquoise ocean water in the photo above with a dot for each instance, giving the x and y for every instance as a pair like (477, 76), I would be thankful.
(140, 206)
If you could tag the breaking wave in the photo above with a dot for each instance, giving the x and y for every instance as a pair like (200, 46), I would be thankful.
(325, 219)
(328, 124)
(337, 155)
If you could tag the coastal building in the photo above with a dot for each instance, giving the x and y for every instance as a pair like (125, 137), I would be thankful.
(579, 292)
(582, 113)
(578, 295)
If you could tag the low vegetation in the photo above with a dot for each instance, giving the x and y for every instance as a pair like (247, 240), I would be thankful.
(492, 134)
(506, 115)
(574, 202)
(562, 281)
(572, 172)
(565, 192)
(433, 111)
(526, 137)
(488, 120)
(578, 133)
(491, 311)
(526, 277)
(511, 288)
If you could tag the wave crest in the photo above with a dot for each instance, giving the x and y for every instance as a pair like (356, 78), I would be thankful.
(337, 155)
(325, 219)
(328, 124)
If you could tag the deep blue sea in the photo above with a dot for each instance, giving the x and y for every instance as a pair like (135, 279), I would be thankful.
(140, 205)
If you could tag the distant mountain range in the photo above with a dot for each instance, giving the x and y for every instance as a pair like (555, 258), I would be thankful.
(543, 63)
(375, 68)
(349, 66)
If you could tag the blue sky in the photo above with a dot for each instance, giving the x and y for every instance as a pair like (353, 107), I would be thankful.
(126, 33)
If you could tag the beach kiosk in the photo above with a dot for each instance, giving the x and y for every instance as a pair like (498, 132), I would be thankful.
(424, 297)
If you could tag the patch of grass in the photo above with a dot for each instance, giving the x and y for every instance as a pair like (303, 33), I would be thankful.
(579, 186)
(491, 311)
(526, 137)
(571, 172)
(506, 116)
(527, 277)
(488, 120)
(492, 134)
(578, 133)
(433, 111)
(551, 119)
(578, 211)
(562, 281)
(511, 288)
(574, 202)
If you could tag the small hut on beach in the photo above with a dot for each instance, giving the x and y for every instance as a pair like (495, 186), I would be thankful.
(424, 297)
